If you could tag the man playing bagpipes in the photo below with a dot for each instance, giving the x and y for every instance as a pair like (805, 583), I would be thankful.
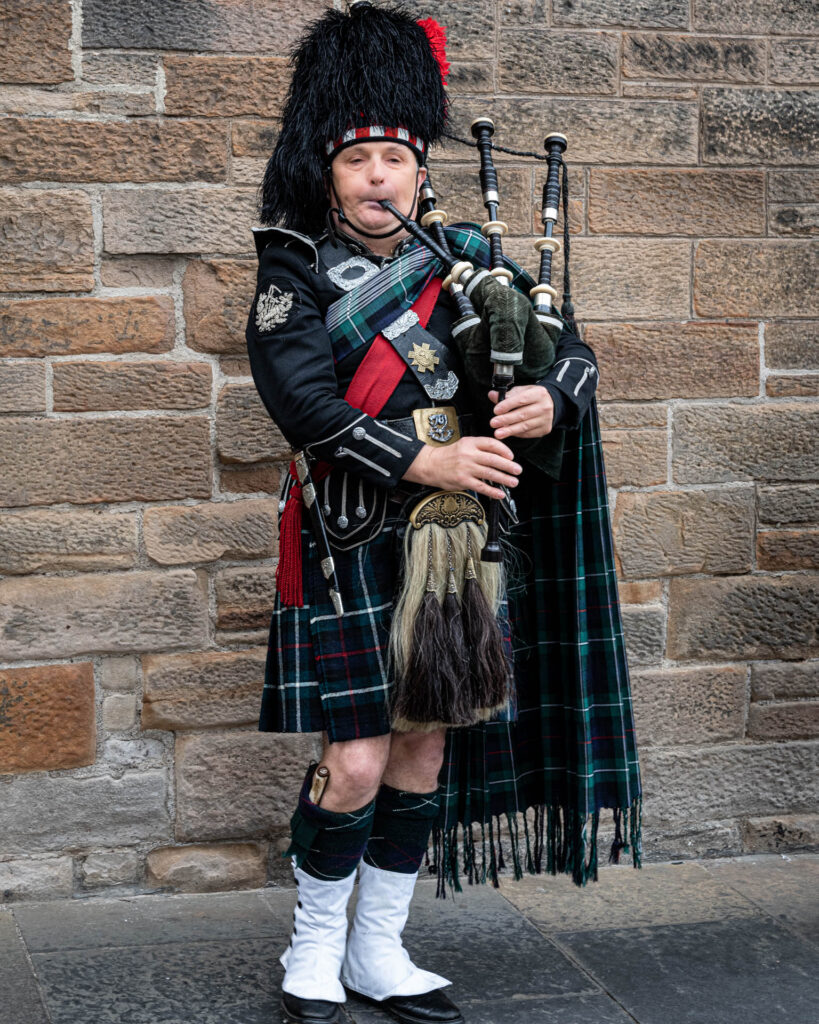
(446, 610)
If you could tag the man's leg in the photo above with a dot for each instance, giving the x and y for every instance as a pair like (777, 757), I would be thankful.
(328, 840)
(376, 964)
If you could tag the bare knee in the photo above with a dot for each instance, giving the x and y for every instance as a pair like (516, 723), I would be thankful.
(415, 760)
(356, 767)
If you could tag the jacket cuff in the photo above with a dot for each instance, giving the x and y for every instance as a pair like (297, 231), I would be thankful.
(370, 449)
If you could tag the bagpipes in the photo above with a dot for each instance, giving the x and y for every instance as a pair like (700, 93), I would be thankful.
(451, 660)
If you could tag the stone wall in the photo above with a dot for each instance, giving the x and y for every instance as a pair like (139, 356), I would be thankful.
(140, 470)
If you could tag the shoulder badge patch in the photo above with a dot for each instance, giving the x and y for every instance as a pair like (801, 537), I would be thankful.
(273, 307)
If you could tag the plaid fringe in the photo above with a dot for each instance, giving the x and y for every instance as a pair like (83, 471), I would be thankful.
(558, 840)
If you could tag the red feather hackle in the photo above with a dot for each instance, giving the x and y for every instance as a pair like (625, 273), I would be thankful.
(437, 42)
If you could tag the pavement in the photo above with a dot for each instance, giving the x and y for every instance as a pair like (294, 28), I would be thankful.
(722, 941)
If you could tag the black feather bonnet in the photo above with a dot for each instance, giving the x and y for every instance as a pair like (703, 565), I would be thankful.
(375, 66)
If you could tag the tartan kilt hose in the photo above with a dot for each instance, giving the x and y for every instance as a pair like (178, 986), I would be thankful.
(329, 673)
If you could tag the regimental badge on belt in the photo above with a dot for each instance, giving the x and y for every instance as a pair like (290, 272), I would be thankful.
(437, 426)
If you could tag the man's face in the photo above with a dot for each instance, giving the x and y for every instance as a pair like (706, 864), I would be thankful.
(368, 171)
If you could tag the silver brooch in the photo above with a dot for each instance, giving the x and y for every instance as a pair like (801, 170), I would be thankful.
(272, 309)
(344, 276)
(444, 388)
(399, 326)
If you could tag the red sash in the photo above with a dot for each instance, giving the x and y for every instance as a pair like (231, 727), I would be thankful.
(372, 385)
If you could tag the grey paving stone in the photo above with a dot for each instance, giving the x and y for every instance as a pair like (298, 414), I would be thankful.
(478, 936)
(622, 897)
(19, 996)
(786, 887)
(709, 972)
(192, 983)
(147, 920)
(560, 1010)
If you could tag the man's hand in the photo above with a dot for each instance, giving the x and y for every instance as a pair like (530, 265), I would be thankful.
(527, 411)
(471, 463)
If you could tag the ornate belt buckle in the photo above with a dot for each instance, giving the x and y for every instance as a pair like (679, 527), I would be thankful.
(437, 426)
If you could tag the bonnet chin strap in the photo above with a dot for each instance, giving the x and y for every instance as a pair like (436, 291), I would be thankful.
(342, 216)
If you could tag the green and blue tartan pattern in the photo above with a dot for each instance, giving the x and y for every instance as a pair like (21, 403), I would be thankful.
(572, 750)
(357, 317)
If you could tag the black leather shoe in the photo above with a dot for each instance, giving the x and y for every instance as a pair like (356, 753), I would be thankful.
(310, 1011)
(429, 1008)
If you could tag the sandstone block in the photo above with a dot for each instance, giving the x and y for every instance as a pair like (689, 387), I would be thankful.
(664, 202)
(742, 617)
(182, 220)
(45, 878)
(253, 138)
(663, 13)
(214, 688)
(693, 58)
(48, 241)
(238, 25)
(234, 784)
(47, 719)
(793, 220)
(70, 326)
(45, 461)
(203, 533)
(642, 361)
(644, 628)
(112, 385)
(250, 479)
(60, 616)
(671, 533)
(718, 443)
(469, 26)
(603, 131)
(778, 550)
(244, 597)
(37, 149)
(245, 170)
(802, 385)
(244, 430)
(458, 194)
(689, 705)
(218, 295)
(138, 272)
(640, 591)
(633, 415)
(118, 712)
(110, 867)
(225, 86)
(106, 68)
(47, 541)
(789, 505)
(561, 62)
(791, 832)
(794, 185)
(119, 673)
(635, 458)
(755, 17)
(235, 366)
(27, 101)
(208, 868)
(754, 278)
(34, 39)
(604, 271)
(688, 784)
(794, 60)
(41, 813)
(792, 344)
(470, 77)
(22, 387)
(739, 125)
(658, 91)
(786, 720)
(141, 752)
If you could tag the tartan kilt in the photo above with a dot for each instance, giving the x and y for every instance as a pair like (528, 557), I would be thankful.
(328, 673)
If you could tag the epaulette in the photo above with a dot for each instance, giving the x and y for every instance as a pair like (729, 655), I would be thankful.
(289, 239)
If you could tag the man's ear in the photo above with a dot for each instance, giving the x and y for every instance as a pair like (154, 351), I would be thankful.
(422, 175)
